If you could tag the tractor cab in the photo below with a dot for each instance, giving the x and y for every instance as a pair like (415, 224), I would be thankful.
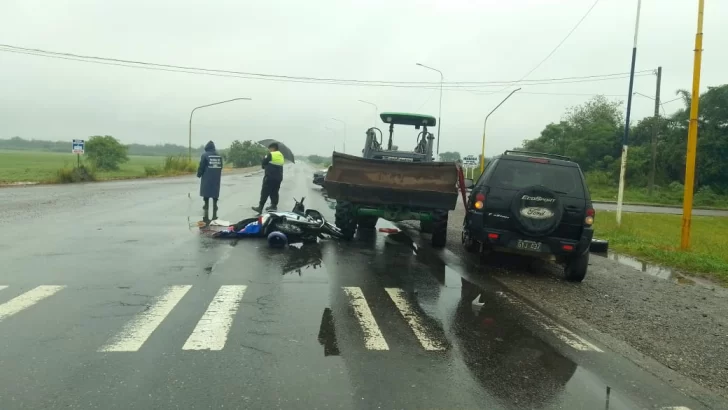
(375, 148)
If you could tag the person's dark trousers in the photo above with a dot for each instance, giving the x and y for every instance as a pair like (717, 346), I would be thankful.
(269, 189)
(207, 206)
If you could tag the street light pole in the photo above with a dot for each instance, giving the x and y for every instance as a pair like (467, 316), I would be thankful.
(333, 131)
(439, 112)
(482, 150)
(336, 119)
(376, 110)
(189, 148)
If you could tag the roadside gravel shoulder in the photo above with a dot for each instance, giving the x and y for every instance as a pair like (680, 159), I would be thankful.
(681, 326)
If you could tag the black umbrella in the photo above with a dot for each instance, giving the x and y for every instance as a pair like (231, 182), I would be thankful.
(287, 153)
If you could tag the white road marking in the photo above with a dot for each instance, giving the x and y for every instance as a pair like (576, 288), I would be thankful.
(138, 330)
(675, 408)
(26, 300)
(2, 287)
(564, 334)
(212, 330)
(373, 338)
(414, 320)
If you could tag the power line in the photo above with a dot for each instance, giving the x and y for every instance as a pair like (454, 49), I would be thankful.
(279, 78)
(560, 43)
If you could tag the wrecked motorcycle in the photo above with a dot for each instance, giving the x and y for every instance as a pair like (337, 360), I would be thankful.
(281, 228)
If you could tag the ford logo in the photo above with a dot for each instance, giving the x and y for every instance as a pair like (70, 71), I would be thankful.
(537, 213)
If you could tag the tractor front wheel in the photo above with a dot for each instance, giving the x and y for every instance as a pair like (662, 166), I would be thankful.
(345, 219)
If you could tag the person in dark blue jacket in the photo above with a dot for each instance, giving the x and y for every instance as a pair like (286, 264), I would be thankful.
(210, 173)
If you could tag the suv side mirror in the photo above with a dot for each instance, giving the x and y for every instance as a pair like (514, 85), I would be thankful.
(468, 183)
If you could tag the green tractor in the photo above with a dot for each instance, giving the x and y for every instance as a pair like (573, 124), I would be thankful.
(392, 184)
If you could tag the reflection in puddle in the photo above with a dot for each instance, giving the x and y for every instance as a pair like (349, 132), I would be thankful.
(327, 334)
(655, 270)
(512, 361)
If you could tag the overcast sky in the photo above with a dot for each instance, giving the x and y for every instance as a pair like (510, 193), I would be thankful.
(480, 40)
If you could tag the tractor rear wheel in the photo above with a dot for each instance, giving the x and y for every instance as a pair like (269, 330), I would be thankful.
(439, 228)
(368, 222)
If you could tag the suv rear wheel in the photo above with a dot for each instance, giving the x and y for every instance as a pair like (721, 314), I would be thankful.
(575, 269)
(470, 244)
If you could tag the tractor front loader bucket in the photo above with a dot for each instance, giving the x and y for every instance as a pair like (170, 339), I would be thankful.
(376, 182)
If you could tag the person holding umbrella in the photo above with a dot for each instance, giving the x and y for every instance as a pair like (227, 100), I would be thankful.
(210, 172)
(273, 166)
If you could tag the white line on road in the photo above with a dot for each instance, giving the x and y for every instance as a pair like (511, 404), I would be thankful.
(564, 334)
(26, 300)
(373, 338)
(212, 330)
(675, 408)
(414, 320)
(2, 287)
(137, 331)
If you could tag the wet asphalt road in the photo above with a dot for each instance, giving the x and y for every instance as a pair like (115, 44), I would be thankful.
(110, 298)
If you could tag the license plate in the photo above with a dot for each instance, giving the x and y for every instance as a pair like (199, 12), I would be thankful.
(528, 245)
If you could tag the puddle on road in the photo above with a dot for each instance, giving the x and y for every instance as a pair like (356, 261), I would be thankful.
(655, 270)
(505, 355)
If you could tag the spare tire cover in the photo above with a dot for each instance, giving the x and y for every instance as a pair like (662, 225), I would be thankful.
(537, 210)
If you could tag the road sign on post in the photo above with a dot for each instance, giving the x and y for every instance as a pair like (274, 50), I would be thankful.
(77, 148)
(470, 162)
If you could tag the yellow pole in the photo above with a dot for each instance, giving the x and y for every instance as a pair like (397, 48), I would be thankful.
(692, 135)
(482, 150)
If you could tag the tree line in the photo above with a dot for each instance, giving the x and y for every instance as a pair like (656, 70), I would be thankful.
(21, 144)
(591, 134)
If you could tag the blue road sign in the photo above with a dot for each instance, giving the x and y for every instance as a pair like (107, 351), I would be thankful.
(78, 146)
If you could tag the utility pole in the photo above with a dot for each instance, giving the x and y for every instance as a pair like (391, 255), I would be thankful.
(692, 135)
(625, 143)
(655, 127)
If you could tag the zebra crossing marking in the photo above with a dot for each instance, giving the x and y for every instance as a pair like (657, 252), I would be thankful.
(373, 337)
(212, 330)
(414, 320)
(26, 300)
(137, 331)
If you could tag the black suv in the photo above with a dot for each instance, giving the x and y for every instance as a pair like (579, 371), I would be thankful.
(533, 204)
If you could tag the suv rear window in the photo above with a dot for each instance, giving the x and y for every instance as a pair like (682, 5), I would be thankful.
(521, 174)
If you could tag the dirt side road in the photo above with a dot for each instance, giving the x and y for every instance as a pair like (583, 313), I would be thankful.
(681, 326)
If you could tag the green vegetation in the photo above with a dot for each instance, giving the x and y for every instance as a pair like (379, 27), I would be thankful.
(591, 135)
(244, 154)
(656, 238)
(68, 175)
(20, 144)
(106, 153)
(28, 166)
(106, 158)
(318, 160)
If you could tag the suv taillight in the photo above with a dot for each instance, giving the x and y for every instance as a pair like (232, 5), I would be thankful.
(589, 216)
(479, 200)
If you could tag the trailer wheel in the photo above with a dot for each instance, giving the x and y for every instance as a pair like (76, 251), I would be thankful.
(368, 222)
(439, 228)
(345, 219)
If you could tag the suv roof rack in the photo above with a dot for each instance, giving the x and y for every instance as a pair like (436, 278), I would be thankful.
(537, 154)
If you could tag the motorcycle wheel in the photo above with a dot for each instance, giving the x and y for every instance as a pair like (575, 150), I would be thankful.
(277, 239)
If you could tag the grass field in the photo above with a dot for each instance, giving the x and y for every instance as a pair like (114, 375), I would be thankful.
(671, 197)
(32, 166)
(656, 238)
